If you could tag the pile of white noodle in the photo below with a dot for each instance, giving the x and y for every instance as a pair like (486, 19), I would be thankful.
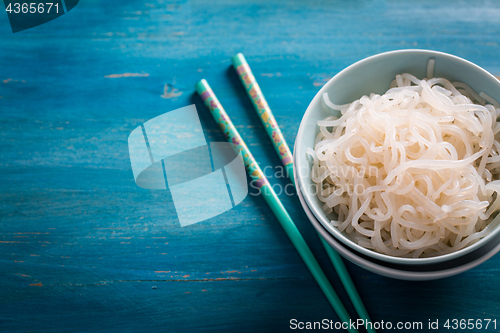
(412, 172)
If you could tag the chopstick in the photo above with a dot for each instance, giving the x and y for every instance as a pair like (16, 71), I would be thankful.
(266, 116)
(253, 169)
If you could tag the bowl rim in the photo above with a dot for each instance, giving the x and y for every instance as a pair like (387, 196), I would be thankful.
(321, 217)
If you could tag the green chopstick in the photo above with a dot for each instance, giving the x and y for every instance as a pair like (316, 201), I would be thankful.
(272, 199)
(266, 116)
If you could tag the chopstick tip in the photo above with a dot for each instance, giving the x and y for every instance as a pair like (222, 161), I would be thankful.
(238, 59)
(201, 85)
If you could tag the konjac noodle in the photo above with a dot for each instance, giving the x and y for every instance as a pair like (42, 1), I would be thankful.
(413, 172)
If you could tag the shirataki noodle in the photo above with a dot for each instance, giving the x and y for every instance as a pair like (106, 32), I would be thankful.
(413, 172)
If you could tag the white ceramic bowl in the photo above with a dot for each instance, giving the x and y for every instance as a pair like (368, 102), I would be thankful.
(373, 75)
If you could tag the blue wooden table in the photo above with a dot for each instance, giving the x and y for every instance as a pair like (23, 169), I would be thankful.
(83, 248)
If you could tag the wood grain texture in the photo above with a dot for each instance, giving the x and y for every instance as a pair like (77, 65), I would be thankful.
(81, 246)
